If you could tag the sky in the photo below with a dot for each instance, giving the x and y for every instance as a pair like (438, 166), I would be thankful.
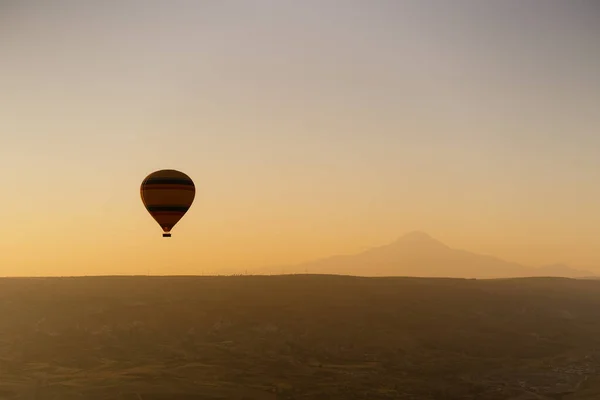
(310, 128)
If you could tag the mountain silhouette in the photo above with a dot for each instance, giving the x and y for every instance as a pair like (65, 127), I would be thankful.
(420, 255)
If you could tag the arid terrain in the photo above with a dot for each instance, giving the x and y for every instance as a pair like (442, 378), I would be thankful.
(299, 337)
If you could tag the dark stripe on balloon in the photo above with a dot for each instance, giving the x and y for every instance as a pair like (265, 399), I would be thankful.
(181, 209)
(167, 214)
(168, 181)
(169, 187)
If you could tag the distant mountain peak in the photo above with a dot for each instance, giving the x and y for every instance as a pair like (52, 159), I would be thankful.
(418, 238)
(417, 253)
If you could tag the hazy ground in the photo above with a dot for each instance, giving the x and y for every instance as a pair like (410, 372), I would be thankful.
(302, 337)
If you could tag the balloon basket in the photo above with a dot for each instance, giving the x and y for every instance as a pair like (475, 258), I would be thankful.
(166, 235)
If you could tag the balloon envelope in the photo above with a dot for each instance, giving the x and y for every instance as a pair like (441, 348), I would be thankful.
(167, 195)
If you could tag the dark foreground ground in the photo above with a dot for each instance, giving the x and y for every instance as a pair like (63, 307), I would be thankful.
(298, 337)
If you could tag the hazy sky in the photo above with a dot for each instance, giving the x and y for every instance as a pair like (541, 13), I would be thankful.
(310, 127)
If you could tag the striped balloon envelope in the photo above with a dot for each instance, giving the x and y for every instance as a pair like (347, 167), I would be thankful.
(167, 195)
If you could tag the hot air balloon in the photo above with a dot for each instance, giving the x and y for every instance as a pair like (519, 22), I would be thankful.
(167, 195)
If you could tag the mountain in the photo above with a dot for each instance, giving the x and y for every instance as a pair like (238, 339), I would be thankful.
(418, 254)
